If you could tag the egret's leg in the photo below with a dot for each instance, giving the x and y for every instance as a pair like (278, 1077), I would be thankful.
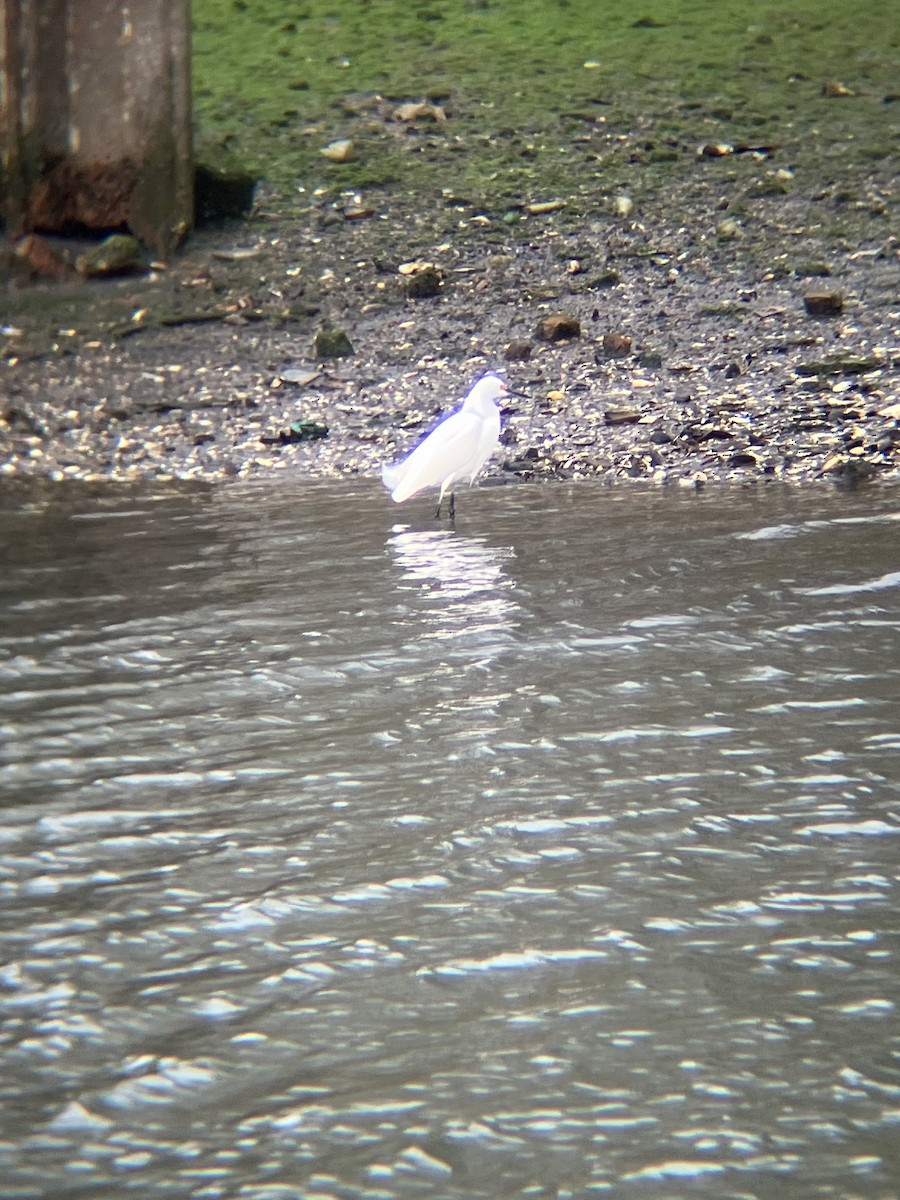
(437, 511)
(453, 506)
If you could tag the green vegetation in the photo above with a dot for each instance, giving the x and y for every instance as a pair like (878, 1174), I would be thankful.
(569, 98)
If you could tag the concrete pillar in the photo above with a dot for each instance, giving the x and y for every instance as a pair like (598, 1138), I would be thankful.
(96, 118)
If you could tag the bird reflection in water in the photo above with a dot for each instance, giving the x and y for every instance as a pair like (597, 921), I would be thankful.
(460, 585)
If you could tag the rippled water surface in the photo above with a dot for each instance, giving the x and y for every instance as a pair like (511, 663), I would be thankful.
(345, 855)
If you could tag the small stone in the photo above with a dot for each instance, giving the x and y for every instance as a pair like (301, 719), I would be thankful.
(332, 343)
(824, 304)
(848, 472)
(299, 375)
(119, 254)
(835, 89)
(623, 206)
(840, 365)
(540, 207)
(715, 150)
(417, 111)
(340, 151)
(558, 327)
(41, 258)
(622, 416)
(616, 344)
(238, 254)
(425, 283)
(812, 268)
(651, 359)
(517, 352)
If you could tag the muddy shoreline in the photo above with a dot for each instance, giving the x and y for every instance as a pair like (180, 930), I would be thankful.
(693, 362)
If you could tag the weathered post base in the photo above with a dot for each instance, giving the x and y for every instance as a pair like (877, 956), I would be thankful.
(96, 118)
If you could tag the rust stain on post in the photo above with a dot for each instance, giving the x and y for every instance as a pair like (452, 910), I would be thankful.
(96, 118)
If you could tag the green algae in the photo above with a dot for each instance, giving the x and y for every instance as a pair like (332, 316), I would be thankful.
(580, 101)
(576, 98)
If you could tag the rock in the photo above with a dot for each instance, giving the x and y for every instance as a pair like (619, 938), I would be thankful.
(558, 327)
(824, 304)
(622, 416)
(238, 254)
(425, 283)
(651, 359)
(840, 365)
(332, 343)
(299, 375)
(812, 268)
(661, 437)
(848, 472)
(540, 207)
(616, 344)
(835, 89)
(340, 151)
(414, 111)
(119, 254)
(42, 260)
(517, 352)
(525, 464)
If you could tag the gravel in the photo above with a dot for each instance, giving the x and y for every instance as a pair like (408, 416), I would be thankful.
(696, 363)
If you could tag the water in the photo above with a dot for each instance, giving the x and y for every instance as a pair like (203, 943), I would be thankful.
(348, 856)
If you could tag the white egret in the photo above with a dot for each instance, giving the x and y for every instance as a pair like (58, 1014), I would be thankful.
(455, 450)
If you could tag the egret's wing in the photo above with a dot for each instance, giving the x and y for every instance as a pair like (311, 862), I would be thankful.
(486, 443)
(439, 457)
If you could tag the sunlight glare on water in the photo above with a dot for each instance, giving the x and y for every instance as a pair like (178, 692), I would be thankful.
(552, 855)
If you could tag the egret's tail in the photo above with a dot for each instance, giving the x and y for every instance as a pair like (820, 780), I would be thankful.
(390, 477)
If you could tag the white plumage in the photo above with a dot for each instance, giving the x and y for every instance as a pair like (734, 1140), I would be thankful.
(455, 450)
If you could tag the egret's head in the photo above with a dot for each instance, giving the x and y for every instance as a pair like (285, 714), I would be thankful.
(488, 390)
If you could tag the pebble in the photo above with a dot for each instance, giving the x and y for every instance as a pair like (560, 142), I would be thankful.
(118, 254)
(824, 304)
(558, 327)
(332, 342)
